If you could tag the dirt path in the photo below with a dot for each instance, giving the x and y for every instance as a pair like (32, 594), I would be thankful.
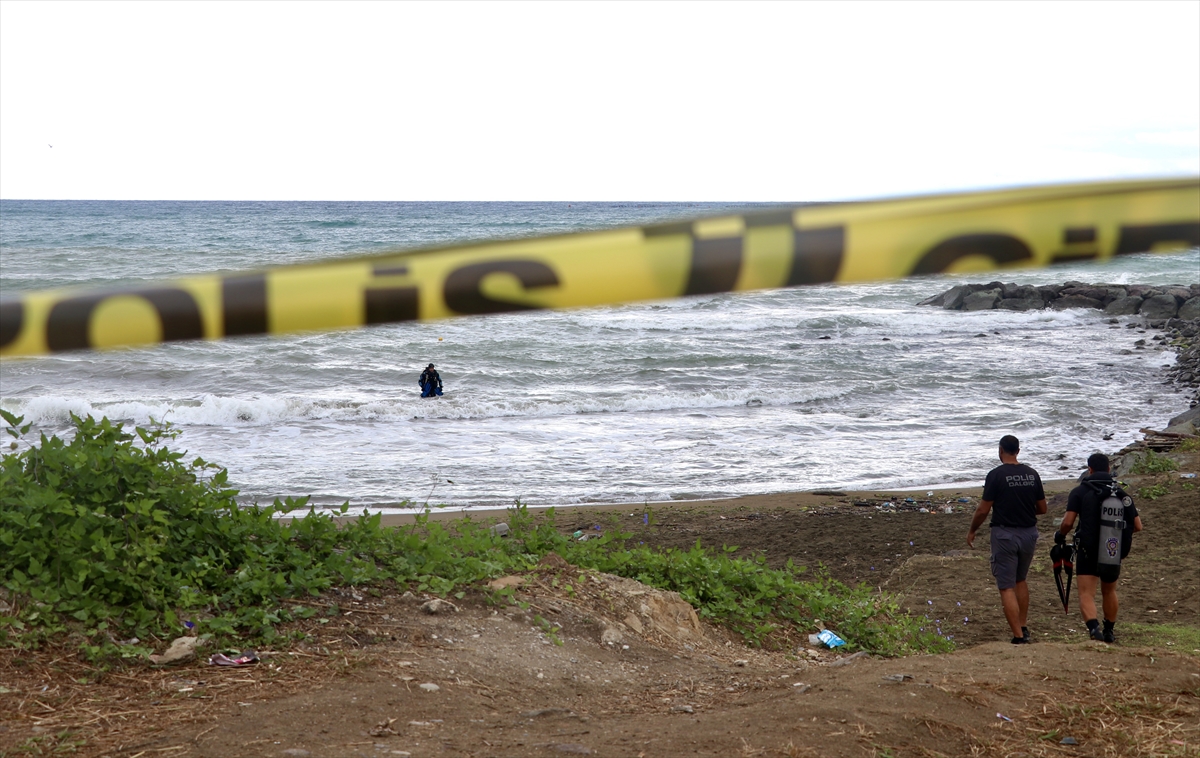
(506, 687)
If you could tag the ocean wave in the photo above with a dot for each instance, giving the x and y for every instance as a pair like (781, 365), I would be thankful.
(211, 410)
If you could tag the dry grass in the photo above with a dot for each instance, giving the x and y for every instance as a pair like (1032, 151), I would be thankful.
(1127, 722)
(67, 703)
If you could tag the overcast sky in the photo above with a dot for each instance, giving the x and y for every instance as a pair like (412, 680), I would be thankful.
(589, 101)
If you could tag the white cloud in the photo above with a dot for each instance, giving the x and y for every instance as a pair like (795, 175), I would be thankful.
(630, 101)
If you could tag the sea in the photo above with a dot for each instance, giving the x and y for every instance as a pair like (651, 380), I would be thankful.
(828, 387)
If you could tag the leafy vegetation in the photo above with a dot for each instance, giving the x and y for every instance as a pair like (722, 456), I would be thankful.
(112, 537)
(1153, 492)
(1151, 462)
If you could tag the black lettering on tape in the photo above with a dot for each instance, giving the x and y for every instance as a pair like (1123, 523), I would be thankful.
(400, 270)
(12, 317)
(1001, 248)
(244, 304)
(385, 305)
(817, 255)
(68, 322)
(1070, 256)
(769, 218)
(668, 229)
(716, 263)
(463, 295)
(1140, 239)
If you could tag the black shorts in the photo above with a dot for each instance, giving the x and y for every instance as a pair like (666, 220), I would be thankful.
(1087, 565)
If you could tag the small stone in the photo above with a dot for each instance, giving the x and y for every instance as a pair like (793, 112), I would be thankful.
(181, 649)
(429, 687)
(682, 709)
(633, 622)
(611, 635)
(741, 663)
(438, 605)
(1068, 741)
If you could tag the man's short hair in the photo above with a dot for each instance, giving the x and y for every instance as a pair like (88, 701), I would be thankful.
(1010, 444)
(1098, 462)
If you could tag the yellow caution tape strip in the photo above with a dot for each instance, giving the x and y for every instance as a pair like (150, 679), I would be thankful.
(808, 244)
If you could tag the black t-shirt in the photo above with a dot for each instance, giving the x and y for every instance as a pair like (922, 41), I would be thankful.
(1085, 500)
(1014, 490)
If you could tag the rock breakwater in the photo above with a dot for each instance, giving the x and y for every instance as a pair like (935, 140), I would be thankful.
(1152, 302)
(1174, 309)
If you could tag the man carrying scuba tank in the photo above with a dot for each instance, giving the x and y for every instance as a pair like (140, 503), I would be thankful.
(1107, 520)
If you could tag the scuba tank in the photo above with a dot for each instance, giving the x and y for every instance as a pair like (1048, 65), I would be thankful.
(1112, 528)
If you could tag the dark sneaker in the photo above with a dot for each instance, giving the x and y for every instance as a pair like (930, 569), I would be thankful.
(1025, 634)
(1096, 634)
(1020, 640)
(1109, 637)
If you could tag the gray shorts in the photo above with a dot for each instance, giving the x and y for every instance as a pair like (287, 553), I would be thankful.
(1012, 552)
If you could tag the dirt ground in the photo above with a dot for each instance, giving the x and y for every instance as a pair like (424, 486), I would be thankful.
(571, 674)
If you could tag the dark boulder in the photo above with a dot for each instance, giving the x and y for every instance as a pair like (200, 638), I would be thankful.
(1126, 306)
(981, 301)
(1159, 307)
(953, 298)
(1021, 304)
(1075, 301)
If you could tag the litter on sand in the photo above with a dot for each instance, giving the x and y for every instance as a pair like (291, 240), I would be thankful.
(1002, 716)
(247, 658)
(830, 639)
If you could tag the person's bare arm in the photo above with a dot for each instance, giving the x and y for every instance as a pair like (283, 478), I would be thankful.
(1067, 522)
(1040, 506)
(981, 513)
(1137, 523)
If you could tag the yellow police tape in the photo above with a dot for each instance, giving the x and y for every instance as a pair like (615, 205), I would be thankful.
(808, 244)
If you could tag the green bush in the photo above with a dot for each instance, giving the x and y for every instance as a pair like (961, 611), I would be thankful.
(112, 536)
(1151, 462)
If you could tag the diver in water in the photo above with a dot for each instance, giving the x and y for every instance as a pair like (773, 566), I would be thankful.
(431, 382)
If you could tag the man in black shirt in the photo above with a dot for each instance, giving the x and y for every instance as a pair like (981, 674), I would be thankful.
(1013, 494)
(1084, 503)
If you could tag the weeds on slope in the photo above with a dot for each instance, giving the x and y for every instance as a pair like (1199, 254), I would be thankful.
(111, 538)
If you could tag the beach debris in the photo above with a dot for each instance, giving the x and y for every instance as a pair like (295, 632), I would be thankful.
(429, 687)
(542, 712)
(247, 658)
(850, 658)
(741, 662)
(801, 687)
(682, 709)
(437, 605)
(574, 748)
(897, 677)
(499, 530)
(181, 649)
(1002, 716)
(511, 580)
(296, 752)
(1071, 741)
(383, 729)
